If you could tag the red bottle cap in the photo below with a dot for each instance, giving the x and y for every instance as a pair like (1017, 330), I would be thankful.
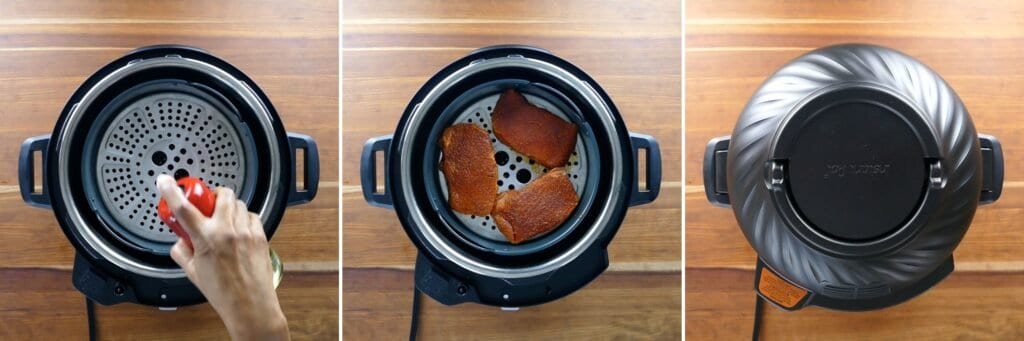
(197, 193)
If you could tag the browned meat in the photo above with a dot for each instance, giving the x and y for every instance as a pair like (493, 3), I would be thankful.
(533, 131)
(469, 169)
(540, 207)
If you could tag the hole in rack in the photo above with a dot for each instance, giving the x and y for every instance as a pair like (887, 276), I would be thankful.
(523, 176)
(159, 158)
(501, 158)
(180, 173)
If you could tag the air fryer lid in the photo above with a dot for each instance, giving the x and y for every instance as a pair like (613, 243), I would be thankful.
(854, 172)
(839, 151)
(852, 167)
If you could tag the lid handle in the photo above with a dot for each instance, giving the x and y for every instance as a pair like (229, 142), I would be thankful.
(368, 171)
(715, 157)
(992, 166)
(640, 195)
(26, 171)
(310, 167)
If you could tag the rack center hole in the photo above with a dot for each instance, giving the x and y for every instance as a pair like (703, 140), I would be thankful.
(159, 158)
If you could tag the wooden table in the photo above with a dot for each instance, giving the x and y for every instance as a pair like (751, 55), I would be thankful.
(977, 46)
(47, 49)
(631, 48)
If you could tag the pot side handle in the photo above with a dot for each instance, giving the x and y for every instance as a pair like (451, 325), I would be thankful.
(311, 168)
(715, 185)
(26, 171)
(992, 166)
(368, 171)
(640, 196)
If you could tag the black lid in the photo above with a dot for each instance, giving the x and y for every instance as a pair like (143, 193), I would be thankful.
(855, 166)
(854, 172)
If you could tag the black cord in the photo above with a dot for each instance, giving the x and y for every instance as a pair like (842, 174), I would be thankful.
(414, 318)
(90, 312)
(758, 306)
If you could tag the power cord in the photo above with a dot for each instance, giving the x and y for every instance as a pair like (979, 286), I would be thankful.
(90, 312)
(758, 307)
(414, 318)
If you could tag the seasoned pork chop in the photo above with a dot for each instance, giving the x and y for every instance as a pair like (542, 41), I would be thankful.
(538, 208)
(533, 131)
(469, 169)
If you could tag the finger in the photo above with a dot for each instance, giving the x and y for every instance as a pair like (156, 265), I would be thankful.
(241, 218)
(182, 255)
(257, 226)
(188, 215)
(225, 208)
(225, 201)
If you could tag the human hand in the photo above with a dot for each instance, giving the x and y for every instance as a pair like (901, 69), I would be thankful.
(229, 262)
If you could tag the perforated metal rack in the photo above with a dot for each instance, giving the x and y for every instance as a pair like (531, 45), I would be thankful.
(166, 133)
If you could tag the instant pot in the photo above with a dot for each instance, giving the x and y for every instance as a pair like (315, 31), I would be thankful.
(464, 258)
(172, 110)
(854, 171)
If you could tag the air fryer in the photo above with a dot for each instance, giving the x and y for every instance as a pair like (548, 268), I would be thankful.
(171, 110)
(854, 171)
(463, 258)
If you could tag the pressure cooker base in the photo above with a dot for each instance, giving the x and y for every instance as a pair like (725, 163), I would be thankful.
(451, 289)
(109, 289)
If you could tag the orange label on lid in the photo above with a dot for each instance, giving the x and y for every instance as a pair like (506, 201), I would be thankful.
(779, 290)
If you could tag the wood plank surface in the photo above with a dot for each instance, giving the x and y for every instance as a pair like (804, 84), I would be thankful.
(302, 295)
(48, 48)
(617, 305)
(633, 51)
(733, 46)
(968, 305)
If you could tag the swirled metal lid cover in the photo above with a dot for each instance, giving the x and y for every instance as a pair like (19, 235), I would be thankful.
(854, 171)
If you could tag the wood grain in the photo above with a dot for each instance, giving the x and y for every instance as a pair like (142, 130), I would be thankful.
(53, 310)
(968, 305)
(617, 305)
(47, 49)
(632, 50)
(733, 46)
